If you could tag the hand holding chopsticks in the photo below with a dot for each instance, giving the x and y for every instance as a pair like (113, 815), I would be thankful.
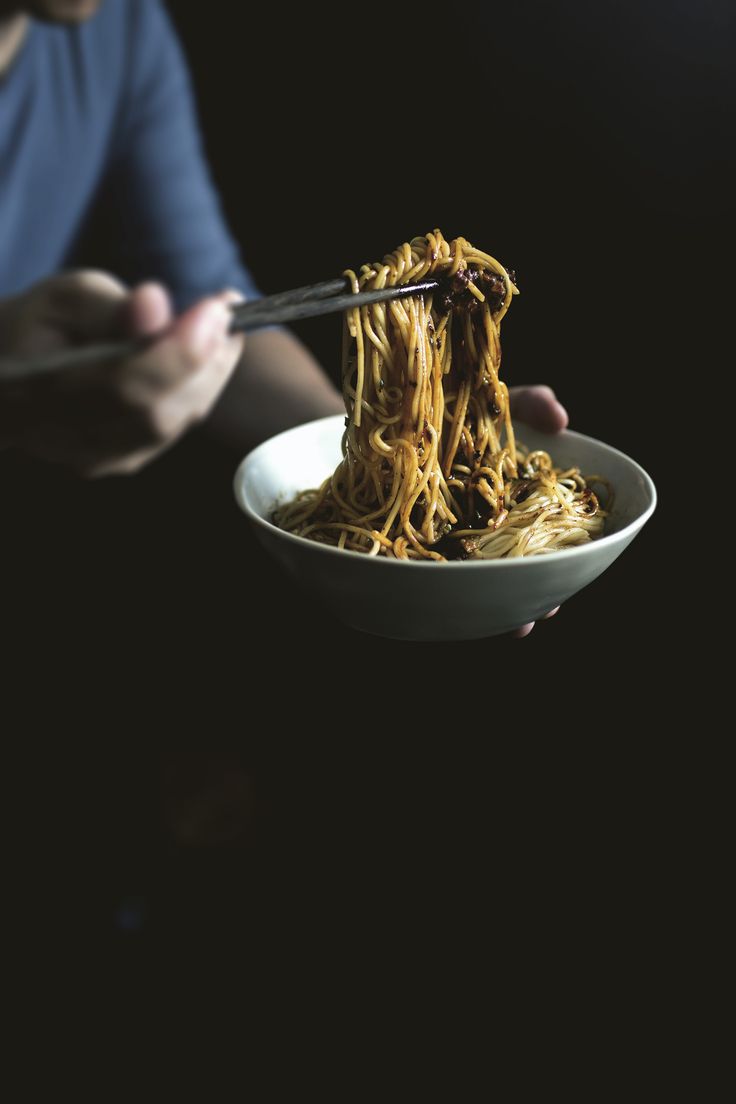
(109, 418)
(274, 310)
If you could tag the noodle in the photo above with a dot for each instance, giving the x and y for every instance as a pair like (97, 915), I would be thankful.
(430, 466)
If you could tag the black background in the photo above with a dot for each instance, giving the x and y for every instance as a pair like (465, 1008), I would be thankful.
(584, 145)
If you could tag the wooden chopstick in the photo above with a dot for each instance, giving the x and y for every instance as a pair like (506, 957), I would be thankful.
(286, 306)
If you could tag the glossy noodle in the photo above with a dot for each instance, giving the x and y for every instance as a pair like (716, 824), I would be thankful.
(430, 468)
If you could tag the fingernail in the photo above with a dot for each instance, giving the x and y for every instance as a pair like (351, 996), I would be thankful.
(233, 297)
(209, 329)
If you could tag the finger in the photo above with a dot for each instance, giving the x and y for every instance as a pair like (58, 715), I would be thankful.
(236, 342)
(149, 310)
(537, 405)
(177, 381)
(203, 330)
(225, 348)
(189, 344)
(87, 304)
(551, 613)
(523, 631)
(193, 399)
(168, 417)
(231, 296)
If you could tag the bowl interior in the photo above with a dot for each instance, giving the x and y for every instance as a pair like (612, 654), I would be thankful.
(293, 461)
(303, 457)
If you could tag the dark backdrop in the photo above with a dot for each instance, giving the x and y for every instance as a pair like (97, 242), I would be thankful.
(584, 145)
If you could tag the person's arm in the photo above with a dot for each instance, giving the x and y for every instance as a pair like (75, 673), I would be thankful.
(277, 384)
(168, 226)
(158, 217)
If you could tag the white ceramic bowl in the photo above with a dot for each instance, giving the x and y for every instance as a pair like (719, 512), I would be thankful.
(461, 600)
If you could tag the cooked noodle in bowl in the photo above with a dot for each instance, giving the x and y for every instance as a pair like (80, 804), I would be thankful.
(431, 468)
(427, 467)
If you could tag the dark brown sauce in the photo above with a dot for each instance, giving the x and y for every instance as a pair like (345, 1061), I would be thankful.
(453, 293)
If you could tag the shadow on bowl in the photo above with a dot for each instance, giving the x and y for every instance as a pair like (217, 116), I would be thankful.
(411, 600)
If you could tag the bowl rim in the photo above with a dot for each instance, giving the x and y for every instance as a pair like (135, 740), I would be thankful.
(500, 564)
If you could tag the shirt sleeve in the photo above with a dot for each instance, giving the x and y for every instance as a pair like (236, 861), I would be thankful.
(168, 220)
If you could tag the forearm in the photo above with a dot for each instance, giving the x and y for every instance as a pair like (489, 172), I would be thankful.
(277, 384)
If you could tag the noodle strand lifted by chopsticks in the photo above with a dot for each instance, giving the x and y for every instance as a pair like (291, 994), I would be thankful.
(430, 466)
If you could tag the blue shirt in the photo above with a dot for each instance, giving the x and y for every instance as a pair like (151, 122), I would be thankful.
(100, 117)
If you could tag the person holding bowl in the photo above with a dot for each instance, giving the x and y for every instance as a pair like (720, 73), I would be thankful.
(99, 122)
